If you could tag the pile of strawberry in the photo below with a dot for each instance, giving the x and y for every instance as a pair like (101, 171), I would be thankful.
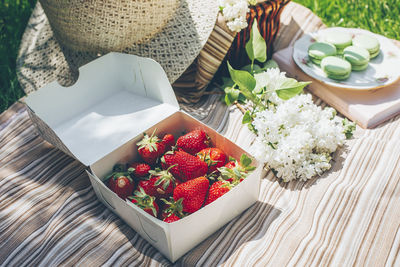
(177, 179)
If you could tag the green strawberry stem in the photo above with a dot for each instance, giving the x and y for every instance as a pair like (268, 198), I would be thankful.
(144, 201)
(116, 175)
(175, 207)
(149, 141)
(165, 177)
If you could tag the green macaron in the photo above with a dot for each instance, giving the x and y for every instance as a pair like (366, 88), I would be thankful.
(340, 40)
(336, 68)
(368, 42)
(318, 51)
(357, 56)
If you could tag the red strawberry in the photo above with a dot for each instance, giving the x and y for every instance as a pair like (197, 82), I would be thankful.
(193, 193)
(148, 187)
(145, 202)
(193, 141)
(169, 141)
(120, 181)
(171, 219)
(169, 160)
(231, 164)
(234, 171)
(187, 166)
(160, 184)
(214, 157)
(150, 148)
(228, 176)
(140, 169)
(217, 189)
(121, 184)
(172, 207)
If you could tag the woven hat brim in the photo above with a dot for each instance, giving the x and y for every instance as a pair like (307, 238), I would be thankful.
(42, 59)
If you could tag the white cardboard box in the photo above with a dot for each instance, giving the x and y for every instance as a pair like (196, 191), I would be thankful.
(100, 118)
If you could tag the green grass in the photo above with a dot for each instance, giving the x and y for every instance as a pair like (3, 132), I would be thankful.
(14, 15)
(379, 16)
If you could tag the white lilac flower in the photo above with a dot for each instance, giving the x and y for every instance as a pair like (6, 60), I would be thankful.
(234, 12)
(296, 137)
(272, 79)
(237, 24)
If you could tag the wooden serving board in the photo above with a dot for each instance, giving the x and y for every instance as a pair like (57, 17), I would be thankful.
(367, 108)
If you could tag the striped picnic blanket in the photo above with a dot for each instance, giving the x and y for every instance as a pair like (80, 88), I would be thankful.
(49, 214)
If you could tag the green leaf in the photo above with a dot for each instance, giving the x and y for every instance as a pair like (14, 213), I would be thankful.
(227, 82)
(248, 68)
(256, 47)
(228, 100)
(245, 160)
(271, 64)
(237, 172)
(290, 88)
(250, 168)
(226, 173)
(245, 81)
(247, 118)
(231, 95)
(241, 98)
(252, 128)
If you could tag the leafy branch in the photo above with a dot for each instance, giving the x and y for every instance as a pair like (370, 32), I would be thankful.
(240, 87)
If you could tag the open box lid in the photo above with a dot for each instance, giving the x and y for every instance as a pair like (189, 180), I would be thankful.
(116, 97)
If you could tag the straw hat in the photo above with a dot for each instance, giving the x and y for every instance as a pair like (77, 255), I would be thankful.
(63, 35)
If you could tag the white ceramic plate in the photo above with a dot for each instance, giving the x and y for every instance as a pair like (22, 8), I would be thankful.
(382, 70)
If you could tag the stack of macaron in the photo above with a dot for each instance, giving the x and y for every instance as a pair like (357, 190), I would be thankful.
(338, 54)
(320, 50)
(340, 40)
(357, 56)
(336, 68)
(368, 42)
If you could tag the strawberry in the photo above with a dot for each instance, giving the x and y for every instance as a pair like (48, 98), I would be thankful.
(145, 202)
(171, 219)
(140, 169)
(120, 181)
(217, 189)
(169, 160)
(160, 184)
(122, 185)
(234, 171)
(169, 141)
(193, 141)
(172, 207)
(148, 187)
(214, 157)
(187, 166)
(231, 164)
(193, 193)
(150, 148)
